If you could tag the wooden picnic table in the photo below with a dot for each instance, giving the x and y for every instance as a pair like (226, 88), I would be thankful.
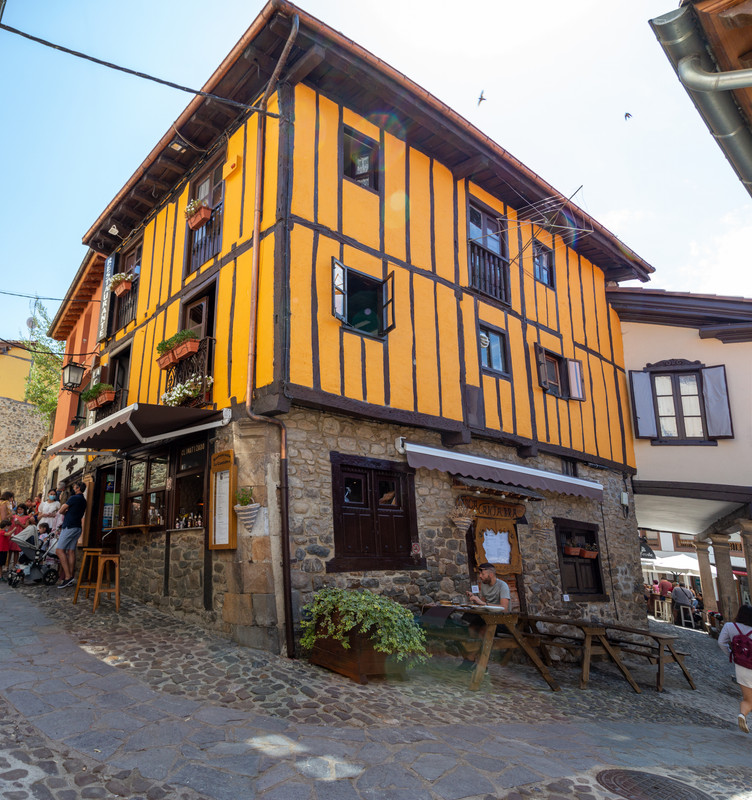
(594, 641)
(515, 640)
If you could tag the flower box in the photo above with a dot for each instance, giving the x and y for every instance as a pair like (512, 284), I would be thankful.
(92, 404)
(357, 662)
(169, 359)
(105, 397)
(186, 348)
(588, 553)
(123, 288)
(200, 218)
(571, 551)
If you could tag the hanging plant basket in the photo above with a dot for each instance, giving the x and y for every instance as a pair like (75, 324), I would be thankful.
(186, 348)
(200, 218)
(123, 288)
(462, 523)
(247, 515)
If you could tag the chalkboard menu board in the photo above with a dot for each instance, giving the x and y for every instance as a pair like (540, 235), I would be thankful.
(222, 523)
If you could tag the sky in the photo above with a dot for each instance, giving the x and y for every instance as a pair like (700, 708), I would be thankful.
(558, 78)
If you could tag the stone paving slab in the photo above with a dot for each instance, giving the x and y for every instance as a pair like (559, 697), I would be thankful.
(131, 726)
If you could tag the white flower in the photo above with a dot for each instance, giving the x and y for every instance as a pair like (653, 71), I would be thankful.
(192, 387)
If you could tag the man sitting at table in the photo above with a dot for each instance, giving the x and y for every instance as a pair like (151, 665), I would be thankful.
(494, 592)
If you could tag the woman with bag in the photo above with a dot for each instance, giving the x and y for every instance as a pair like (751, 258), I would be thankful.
(736, 640)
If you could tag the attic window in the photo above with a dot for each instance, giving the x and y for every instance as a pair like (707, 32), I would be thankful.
(360, 159)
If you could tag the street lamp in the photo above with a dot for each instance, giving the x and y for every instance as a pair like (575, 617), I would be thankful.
(73, 374)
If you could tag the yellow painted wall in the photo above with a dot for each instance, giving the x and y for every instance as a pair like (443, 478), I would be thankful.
(14, 368)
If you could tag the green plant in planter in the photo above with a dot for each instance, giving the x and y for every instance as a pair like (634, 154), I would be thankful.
(91, 394)
(178, 338)
(336, 613)
(244, 496)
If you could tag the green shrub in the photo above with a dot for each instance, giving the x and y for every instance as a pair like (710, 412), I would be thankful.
(174, 340)
(244, 496)
(391, 627)
(92, 393)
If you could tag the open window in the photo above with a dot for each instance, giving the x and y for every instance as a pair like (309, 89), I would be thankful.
(487, 253)
(559, 376)
(361, 302)
(360, 159)
(205, 242)
(681, 402)
(543, 263)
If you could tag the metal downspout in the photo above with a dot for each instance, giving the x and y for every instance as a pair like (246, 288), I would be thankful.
(252, 340)
(679, 35)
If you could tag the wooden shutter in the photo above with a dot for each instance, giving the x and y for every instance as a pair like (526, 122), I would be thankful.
(387, 304)
(540, 362)
(717, 408)
(339, 290)
(643, 409)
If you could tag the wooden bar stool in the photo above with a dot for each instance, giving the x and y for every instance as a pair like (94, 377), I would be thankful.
(686, 615)
(87, 575)
(112, 562)
(663, 610)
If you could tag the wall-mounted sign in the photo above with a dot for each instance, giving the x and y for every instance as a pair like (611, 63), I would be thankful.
(222, 522)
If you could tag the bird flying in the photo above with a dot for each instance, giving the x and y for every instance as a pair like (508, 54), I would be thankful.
(627, 115)
(481, 98)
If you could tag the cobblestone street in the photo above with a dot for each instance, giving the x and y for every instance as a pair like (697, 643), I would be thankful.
(139, 705)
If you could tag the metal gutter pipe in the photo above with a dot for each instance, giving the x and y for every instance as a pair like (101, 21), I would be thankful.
(678, 33)
(252, 342)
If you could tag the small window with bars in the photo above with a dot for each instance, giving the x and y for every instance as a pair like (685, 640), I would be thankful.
(487, 253)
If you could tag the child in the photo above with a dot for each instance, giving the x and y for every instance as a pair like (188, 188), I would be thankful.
(21, 519)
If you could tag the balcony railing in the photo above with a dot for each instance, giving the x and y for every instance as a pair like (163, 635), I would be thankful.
(198, 365)
(206, 242)
(488, 272)
(126, 306)
(120, 401)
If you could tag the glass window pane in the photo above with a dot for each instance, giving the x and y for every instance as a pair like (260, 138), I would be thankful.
(492, 238)
(158, 473)
(138, 477)
(691, 405)
(668, 427)
(693, 427)
(688, 384)
(666, 406)
(388, 495)
(663, 384)
(474, 227)
(136, 510)
(497, 352)
(354, 490)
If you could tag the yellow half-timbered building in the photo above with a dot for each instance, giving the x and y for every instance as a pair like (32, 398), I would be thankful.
(394, 323)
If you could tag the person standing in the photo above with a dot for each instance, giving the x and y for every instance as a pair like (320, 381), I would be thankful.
(48, 509)
(665, 587)
(681, 596)
(73, 511)
(741, 629)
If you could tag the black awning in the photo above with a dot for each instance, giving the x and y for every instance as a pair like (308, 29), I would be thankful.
(503, 488)
(139, 424)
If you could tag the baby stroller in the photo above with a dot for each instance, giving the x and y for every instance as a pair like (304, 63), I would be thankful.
(37, 561)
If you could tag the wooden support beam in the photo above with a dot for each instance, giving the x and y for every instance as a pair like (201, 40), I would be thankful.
(470, 166)
(303, 67)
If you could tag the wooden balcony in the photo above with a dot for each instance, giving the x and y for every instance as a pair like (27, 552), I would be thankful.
(488, 272)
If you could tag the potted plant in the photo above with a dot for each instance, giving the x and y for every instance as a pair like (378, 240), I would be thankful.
(589, 551)
(121, 283)
(461, 516)
(245, 509)
(98, 395)
(190, 389)
(177, 347)
(354, 632)
(571, 549)
(198, 213)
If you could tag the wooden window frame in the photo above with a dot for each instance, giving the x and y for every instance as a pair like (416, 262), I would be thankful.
(679, 415)
(585, 533)
(490, 332)
(355, 144)
(570, 383)
(495, 287)
(342, 277)
(205, 243)
(544, 273)
(374, 470)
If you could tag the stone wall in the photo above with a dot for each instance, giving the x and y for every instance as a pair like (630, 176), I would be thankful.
(18, 481)
(21, 428)
(312, 435)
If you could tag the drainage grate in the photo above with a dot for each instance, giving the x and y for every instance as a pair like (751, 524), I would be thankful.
(646, 786)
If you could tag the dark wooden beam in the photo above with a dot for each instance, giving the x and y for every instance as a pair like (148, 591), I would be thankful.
(303, 67)
(470, 166)
(157, 182)
(259, 57)
(170, 163)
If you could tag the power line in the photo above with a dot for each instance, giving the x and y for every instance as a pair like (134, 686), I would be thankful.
(20, 346)
(37, 297)
(143, 75)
